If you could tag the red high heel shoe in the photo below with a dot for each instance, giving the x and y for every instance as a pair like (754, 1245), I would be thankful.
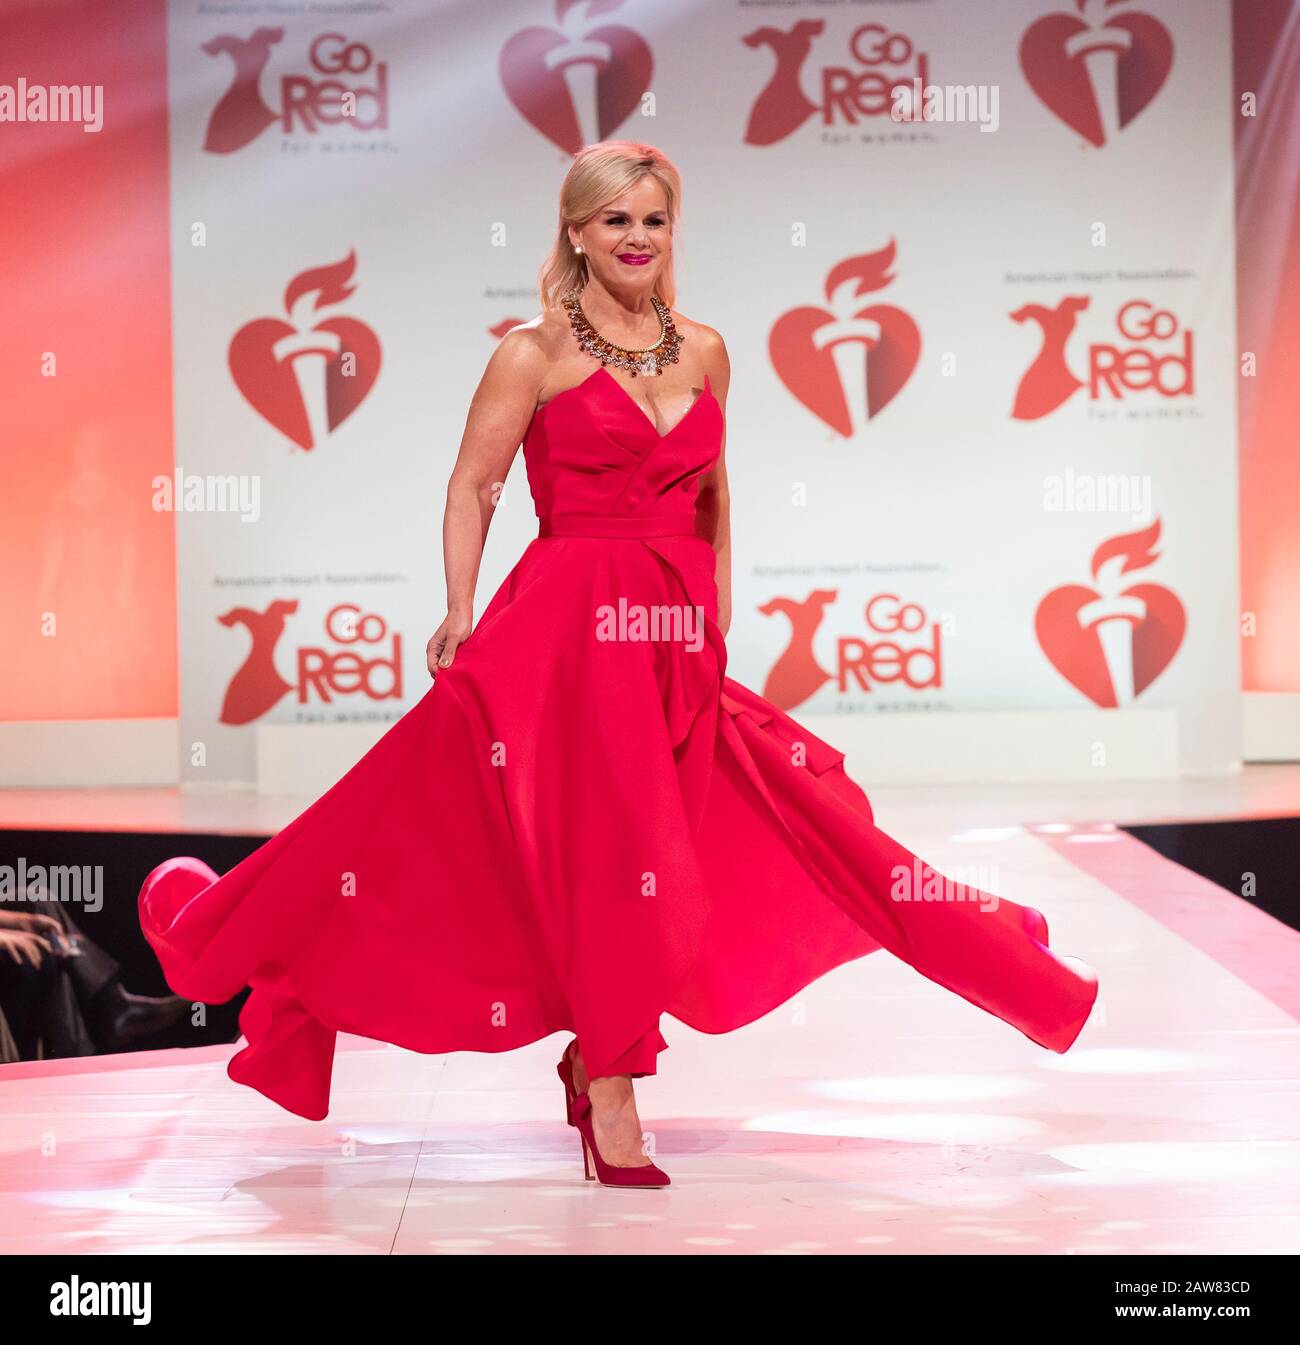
(565, 1070)
(648, 1175)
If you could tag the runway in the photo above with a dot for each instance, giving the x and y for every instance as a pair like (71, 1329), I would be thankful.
(874, 1113)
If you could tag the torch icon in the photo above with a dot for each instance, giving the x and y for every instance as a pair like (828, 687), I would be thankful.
(853, 334)
(1112, 638)
(850, 340)
(310, 352)
(1114, 616)
(308, 371)
(1100, 47)
(1117, 610)
(847, 358)
(579, 60)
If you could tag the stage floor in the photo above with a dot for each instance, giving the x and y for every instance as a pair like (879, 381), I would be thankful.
(875, 1112)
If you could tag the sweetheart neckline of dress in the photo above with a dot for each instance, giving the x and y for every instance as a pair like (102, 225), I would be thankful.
(654, 429)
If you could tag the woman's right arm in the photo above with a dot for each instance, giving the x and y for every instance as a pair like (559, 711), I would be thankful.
(499, 413)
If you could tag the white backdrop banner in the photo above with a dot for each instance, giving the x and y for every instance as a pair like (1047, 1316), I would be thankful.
(973, 264)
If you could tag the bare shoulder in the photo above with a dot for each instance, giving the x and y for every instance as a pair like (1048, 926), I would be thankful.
(710, 348)
(528, 354)
(523, 349)
(518, 365)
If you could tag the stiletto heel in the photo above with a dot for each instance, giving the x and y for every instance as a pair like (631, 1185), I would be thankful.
(649, 1175)
(565, 1070)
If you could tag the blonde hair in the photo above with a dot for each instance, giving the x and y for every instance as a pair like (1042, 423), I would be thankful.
(598, 174)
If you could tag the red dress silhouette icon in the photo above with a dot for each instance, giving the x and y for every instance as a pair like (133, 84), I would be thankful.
(257, 686)
(796, 675)
(241, 115)
(782, 107)
(1048, 382)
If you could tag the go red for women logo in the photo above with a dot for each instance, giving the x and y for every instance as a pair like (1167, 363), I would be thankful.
(307, 377)
(1111, 640)
(1150, 354)
(353, 660)
(848, 360)
(1097, 70)
(845, 93)
(899, 644)
(343, 84)
(577, 81)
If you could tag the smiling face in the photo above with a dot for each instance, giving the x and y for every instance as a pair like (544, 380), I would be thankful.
(628, 241)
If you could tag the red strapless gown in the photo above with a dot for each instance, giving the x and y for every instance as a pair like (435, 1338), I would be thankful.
(582, 833)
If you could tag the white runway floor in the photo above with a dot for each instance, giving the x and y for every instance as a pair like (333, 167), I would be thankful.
(874, 1113)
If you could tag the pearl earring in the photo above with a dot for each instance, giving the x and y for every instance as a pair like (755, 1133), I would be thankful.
(576, 248)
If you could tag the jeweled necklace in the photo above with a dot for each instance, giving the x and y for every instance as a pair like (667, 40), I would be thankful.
(652, 360)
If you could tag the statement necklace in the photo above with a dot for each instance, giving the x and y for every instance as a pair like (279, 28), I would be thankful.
(652, 360)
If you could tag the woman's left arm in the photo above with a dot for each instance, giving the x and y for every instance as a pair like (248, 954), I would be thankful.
(714, 499)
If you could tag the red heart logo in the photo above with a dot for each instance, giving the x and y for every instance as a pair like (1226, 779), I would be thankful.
(1061, 80)
(270, 385)
(533, 68)
(1076, 652)
(813, 377)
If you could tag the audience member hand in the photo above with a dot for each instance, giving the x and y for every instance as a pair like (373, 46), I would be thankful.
(20, 945)
(30, 922)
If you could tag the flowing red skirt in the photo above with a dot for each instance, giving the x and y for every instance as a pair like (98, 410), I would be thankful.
(575, 833)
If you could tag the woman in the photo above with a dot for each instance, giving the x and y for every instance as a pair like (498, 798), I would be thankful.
(584, 824)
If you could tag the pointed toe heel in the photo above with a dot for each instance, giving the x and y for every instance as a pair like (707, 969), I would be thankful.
(648, 1176)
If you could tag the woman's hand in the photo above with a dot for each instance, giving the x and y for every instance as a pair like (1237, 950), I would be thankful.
(444, 642)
